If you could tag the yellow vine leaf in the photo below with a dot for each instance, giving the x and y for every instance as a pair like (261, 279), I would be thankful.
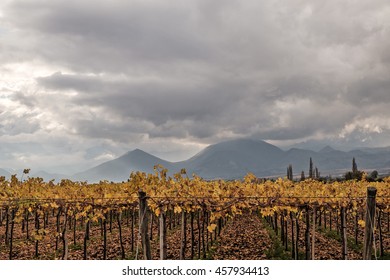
(362, 223)
(177, 209)
(54, 205)
(211, 227)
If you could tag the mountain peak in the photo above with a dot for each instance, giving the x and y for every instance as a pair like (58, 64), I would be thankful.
(137, 151)
(244, 143)
(138, 155)
(327, 149)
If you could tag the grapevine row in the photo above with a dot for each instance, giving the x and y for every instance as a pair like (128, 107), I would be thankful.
(212, 202)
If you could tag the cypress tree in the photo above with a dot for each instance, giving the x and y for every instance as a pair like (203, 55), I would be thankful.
(354, 166)
(311, 173)
(289, 172)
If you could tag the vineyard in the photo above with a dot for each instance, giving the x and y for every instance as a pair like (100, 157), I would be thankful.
(153, 216)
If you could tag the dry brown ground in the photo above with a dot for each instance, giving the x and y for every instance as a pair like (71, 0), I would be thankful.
(244, 237)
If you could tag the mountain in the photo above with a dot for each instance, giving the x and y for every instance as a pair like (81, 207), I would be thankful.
(327, 149)
(119, 169)
(234, 159)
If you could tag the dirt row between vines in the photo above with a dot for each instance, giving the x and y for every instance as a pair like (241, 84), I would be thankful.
(245, 237)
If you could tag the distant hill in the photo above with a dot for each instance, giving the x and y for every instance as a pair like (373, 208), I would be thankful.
(119, 169)
(234, 159)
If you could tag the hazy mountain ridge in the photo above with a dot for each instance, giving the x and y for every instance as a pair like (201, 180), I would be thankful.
(46, 176)
(233, 160)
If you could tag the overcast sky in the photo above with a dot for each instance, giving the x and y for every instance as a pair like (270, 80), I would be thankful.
(82, 82)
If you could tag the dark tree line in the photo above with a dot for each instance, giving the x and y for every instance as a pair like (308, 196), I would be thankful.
(354, 174)
(313, 172)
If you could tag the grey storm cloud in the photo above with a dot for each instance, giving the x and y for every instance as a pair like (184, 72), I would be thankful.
(197, 71)
(11, 124)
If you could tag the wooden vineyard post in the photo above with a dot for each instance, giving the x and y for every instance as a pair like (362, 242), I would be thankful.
(143, 224)
(369, 225)
(220, 226)
(183, 235)
(320, 218)
(110, 221)
(12, 233)
(170, 220)
(86, 238)
(293, 256)
(380, 233)
(313, 234)
(192, 236)
(325, 218)
(282, 227)
(203, 233)
(207, 233)
(307, 234)
(388, 222)
(37, 230)
(27, 217)
(286, 231)
(132, 229)
(158, 225)
(58, 227)
(119, 218)
(74, 230)
(344, 232)
(151, 226)
(297, 236)
(276, 223)
(163, 235)
(64, 237)
(104, 222)
(101, 227)
(199, 234)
